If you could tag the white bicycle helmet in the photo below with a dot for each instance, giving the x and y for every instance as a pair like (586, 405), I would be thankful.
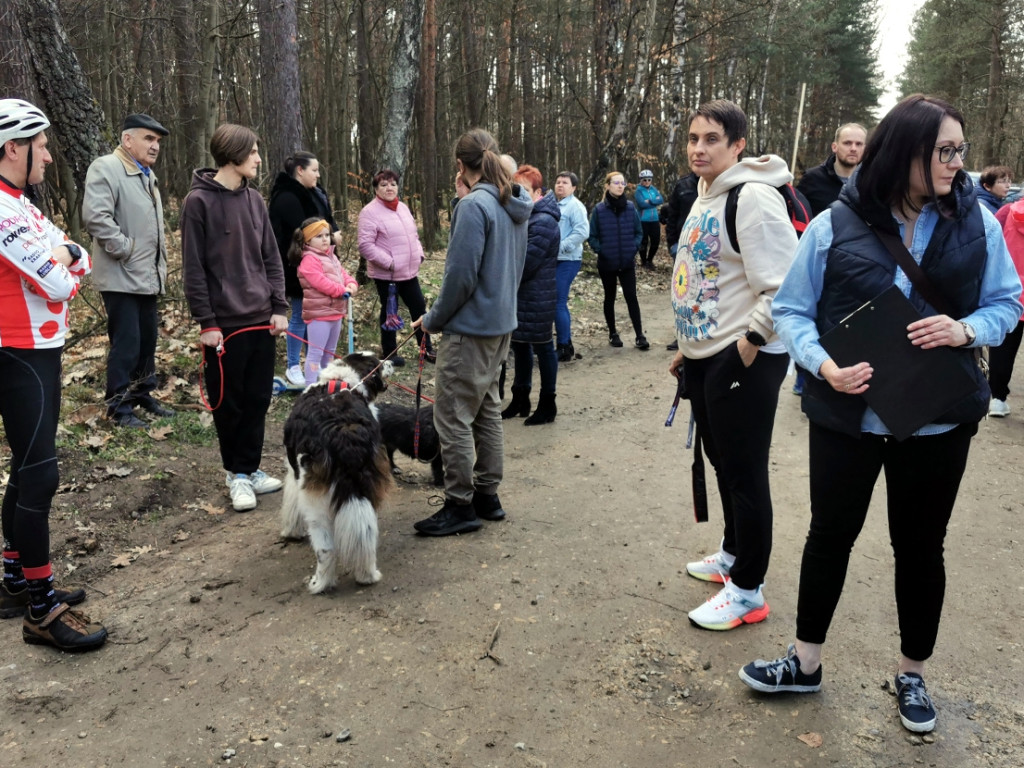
(646, 174)
(20, 120)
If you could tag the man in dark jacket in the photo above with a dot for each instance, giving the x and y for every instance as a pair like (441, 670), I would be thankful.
(678, 208)
(821, 184)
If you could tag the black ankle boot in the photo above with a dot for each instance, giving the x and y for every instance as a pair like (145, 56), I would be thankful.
(520, 405)
(546, 410)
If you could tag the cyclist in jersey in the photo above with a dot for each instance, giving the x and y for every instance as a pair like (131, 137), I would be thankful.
(40, 269)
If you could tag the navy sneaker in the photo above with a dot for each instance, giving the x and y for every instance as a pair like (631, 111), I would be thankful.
(916, 710)
(452, 518)
(781, 675)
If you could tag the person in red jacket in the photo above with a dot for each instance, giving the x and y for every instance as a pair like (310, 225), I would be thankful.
(39, 273)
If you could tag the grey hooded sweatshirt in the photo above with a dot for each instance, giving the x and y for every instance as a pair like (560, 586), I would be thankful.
(484, 264)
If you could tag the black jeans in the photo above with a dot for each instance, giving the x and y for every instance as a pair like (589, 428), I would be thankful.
(30, 408)
(412, 296)
(652, 239)
(248, 374)
(131, 370)
(734, 408)
(547, 362)
(922, 477)
(627, 279)
(1000, 361)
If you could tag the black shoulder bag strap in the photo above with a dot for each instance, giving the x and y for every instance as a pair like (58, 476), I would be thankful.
(913, 270)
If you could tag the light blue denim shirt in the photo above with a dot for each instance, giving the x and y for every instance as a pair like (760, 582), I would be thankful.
(795, 308)
(575, 228)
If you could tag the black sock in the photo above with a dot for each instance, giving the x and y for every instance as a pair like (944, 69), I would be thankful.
(40, 590)
(14, 578)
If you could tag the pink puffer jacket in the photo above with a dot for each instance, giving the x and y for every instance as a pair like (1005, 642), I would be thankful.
(324, 281)
(389, 242)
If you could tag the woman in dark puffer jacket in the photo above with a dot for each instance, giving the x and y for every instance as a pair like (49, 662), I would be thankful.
(535, 305)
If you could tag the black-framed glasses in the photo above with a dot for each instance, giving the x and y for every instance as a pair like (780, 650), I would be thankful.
(946, 153)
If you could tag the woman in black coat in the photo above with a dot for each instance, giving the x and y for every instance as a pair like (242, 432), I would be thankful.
(535, 305)
(294, 198)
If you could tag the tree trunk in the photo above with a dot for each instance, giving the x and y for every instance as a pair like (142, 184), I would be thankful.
(994, 107)
(279, 77)
(677, 80)
(405, 72)
(366, 99)
(427, 107)
(621, 143)
(77, 121)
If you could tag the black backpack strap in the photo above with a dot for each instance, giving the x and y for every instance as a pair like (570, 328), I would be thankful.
(731, 203)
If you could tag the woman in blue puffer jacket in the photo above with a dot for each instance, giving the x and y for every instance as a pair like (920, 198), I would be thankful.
(615, 235)
(535, 304)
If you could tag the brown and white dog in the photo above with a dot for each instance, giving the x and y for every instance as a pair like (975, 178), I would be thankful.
(337, 474)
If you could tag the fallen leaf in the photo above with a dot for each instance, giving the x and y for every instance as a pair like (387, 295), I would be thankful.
(119, 471)
(95, 440)
(142, 550)
(212, 510)
(86, 413)
(160, 433)
(205, 419)
(811, 739)
(180, 536)
(121, 561)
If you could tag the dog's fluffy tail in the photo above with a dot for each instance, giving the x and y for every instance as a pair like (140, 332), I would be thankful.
(355, 536)
(292, 524)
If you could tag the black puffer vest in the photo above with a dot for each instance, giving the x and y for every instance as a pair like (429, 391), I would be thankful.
(860, 267)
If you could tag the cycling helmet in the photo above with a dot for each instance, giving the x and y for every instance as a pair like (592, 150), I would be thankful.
(646, 174)
(20, 120)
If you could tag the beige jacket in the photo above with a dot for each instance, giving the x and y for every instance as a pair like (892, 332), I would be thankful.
(123, 213)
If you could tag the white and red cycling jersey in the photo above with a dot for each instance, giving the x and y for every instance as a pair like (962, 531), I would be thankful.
(34, 288)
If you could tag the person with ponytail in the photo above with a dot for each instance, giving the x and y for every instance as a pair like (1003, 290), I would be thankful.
(476, 313)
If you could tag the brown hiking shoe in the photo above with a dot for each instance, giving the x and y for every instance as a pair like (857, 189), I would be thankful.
(14, 604)
(64, 629)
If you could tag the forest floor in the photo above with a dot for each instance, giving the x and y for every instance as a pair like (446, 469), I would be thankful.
(556, 638)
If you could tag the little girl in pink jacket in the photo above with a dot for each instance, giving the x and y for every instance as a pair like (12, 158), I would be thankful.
(326, 287)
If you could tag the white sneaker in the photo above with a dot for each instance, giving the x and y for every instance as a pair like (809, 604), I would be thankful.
(296, 376)
(729, 609)
(264, 483)
(711, 568)
(998, 408)
(242, 497)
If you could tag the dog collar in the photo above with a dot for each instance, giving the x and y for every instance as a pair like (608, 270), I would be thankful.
(336, 386)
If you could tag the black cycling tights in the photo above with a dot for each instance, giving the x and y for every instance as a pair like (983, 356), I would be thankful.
(30, 407)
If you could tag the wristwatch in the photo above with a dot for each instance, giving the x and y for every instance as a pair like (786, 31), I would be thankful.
(969, 333)
(755, 338)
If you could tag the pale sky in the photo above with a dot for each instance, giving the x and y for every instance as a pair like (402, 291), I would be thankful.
(894, 20)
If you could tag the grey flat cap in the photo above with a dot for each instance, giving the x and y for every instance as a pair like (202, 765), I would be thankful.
(143, 121)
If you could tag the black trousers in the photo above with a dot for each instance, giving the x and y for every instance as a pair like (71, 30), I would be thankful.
(922, 478)
(1000, 361)
(248, 375)
(652, 239)
(734, 408)
(627, 279)
(411, 294)
(131, 370)
(30, 408)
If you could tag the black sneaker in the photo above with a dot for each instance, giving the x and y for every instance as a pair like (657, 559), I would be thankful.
(916, 710)
(673, 345)
(642, 343)
(397, 361)
(450, 519)
(781, 675)
(130, 420)
(487, 506)
(157, 409)
(614, 340)
(13, 604)
(64, 629)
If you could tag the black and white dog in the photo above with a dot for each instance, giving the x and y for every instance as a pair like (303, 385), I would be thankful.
(398, 430)
(337, 474)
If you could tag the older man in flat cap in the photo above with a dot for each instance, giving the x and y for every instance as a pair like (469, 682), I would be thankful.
(124, 215)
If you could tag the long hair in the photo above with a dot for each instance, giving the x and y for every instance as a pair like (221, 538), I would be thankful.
(299, 241)
(478, 151)
(298, 160)
(907, 133)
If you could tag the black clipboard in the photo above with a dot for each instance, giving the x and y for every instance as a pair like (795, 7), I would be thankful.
(910, 386)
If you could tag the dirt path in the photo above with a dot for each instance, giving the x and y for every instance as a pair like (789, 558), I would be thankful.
(557, 638)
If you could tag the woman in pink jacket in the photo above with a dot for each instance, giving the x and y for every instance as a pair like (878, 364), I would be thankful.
(326, 288)
(389, 242)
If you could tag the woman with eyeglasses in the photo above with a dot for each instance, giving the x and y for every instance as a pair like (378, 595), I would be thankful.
(615, 235)
(911, 185)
